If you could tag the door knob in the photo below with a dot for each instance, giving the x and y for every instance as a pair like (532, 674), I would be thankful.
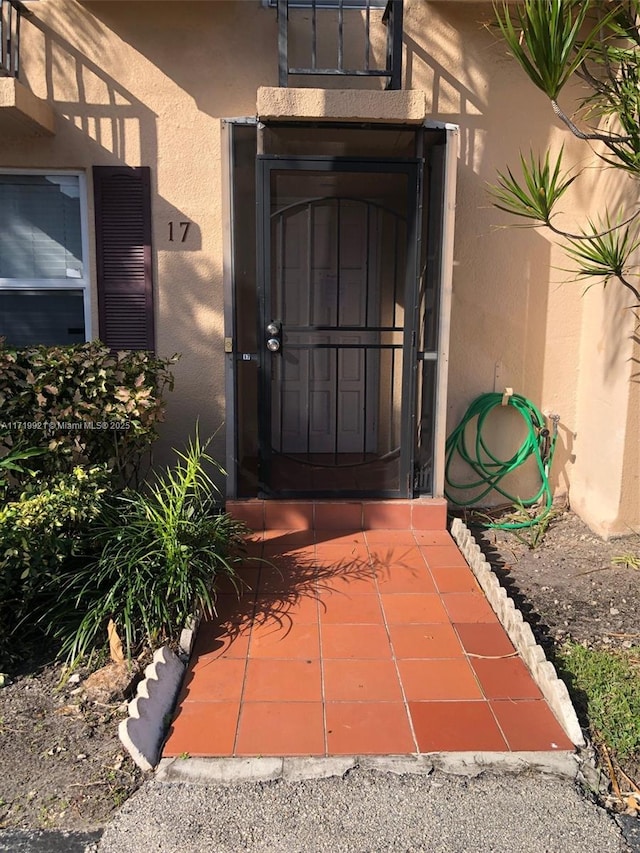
(274, 331)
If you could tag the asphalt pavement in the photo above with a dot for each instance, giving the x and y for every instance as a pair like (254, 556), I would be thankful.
(366, 812)
(48, 841)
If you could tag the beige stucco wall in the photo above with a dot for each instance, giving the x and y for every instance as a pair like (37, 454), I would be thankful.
(137, 85)
(517, 318)
(507, 314)
(147, 84)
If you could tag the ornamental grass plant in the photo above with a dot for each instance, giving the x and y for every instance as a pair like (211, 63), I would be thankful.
(160, 552)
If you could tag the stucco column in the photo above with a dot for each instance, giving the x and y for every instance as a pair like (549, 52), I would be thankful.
(604, 483)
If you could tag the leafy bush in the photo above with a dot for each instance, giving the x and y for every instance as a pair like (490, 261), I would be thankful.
(160, 553)
(45, 528)
(85, 403)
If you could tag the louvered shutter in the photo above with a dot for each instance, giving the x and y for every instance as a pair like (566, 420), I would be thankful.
(123, 248)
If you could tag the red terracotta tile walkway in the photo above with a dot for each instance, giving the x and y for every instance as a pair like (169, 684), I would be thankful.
(361, 636)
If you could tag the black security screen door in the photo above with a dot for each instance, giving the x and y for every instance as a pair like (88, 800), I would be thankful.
(337, 291)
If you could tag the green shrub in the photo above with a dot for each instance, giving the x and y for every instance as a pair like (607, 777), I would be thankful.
(160, 553)
(84, 403)
(45, 528)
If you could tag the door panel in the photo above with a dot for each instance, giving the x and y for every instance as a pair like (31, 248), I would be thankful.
(336, 262)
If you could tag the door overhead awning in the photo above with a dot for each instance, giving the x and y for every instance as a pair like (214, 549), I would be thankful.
(22, 112)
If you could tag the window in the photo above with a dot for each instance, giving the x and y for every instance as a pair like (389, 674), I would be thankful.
(44, 283)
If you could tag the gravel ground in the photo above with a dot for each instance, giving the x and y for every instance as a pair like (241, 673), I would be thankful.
(365, 811)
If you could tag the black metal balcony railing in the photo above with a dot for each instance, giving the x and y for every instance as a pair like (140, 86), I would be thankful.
(392, 18)
(11, 12)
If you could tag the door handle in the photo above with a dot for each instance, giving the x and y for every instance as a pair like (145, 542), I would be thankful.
(274, 331)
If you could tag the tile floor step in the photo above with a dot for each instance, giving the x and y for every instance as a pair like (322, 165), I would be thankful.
(424, 514)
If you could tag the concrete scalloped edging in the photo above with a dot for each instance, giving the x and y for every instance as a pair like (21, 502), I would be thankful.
(188, 634)
(543, 671)
(142, 733)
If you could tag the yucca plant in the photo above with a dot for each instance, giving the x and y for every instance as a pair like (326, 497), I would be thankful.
(160, 553)
(604, 251)
(546, 38)
(535, 196)
(599, 42)
(601, 250)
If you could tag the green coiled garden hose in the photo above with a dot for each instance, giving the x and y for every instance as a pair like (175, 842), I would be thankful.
(489, 470)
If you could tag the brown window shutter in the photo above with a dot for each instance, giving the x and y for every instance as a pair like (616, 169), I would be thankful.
(123, 248)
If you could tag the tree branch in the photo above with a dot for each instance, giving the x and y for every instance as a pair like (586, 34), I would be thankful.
(609, 141)
(571, 236)
(629, 286)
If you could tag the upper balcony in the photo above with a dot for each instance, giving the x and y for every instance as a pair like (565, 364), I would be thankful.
(11, 13)
(20, 109)
(340, 38)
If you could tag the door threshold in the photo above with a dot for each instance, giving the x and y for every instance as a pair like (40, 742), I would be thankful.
(341, 514)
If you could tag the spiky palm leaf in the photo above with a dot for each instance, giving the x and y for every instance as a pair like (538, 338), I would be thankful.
(535, 195)
(604, 251)
(616, 97)
(546, 38)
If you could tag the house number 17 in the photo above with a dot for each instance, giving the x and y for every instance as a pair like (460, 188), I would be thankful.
(178, 232)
